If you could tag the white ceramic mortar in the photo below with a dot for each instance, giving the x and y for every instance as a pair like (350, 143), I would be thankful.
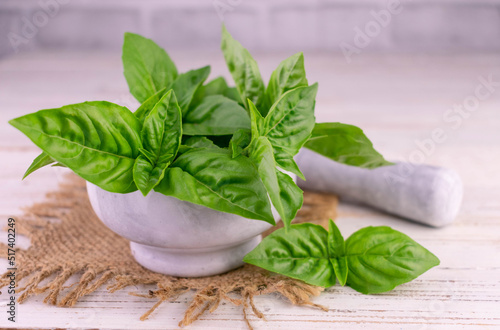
(175, 237)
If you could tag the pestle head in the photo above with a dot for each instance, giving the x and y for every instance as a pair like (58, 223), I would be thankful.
(427, 194)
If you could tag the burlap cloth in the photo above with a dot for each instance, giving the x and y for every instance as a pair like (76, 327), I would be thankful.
(67, 238)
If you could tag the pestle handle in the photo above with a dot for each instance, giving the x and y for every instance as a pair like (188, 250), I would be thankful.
(427, 194)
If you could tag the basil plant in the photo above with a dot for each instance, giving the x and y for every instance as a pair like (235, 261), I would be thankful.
(223, 147)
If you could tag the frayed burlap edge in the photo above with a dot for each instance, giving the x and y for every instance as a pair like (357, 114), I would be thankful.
(67, 239)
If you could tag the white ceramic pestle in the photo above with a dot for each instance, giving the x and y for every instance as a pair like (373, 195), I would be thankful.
(423, 193)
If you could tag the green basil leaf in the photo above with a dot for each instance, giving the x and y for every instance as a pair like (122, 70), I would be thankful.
(256, 121)
(212, 178)
(186, 85)
(99, 141)
(286, 162)
(57, 165)
(336, 244)
(161, 137)
(289, 123)
(232, 93)
(345, 144)
(301, 253)
(292, 197)
(218, 86)
(148, 155)
(221, 141)
(240, 140)
(286, 196)
(216, 115)
(147, 67)
(244, 70)
(145, 108)
(289, 75)
(196, 142)
(381, 258)
(261, 152)
(336, 249)
(40, 161)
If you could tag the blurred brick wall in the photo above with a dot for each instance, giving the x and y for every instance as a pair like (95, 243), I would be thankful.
(262, 25)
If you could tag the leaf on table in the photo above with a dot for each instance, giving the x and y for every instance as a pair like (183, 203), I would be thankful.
(300, 253)
(336, 250)
(381, 258)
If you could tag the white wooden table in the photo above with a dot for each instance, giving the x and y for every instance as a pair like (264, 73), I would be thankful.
(397, 100)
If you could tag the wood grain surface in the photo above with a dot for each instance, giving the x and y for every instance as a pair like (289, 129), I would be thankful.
(396, 100)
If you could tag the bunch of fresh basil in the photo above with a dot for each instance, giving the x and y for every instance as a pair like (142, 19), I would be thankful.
(226, 148)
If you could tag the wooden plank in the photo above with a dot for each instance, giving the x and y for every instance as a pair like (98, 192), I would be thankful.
(397, 100)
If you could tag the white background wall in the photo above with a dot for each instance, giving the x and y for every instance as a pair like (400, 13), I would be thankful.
(261, 25)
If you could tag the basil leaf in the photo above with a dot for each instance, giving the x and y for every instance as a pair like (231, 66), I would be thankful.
(216, 115)
(196, 142)
(286, 196)
(345, 144)
(292, 197)
(57, 165)
(161, 137)
(289, 123)
(286, 162)
(145, 108)
(372, 260)
(186, 85)
(210, 177)
(289, 75)
(244, 70)
(301, 253)
(256, 121)
(40, 161)
(148, 154)
(221, 141)
(261, 153)
(336, 250)
(218, 86)
(147, 67)
(99, 141)
(232, 93)
(381, 258)
(240, 140)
